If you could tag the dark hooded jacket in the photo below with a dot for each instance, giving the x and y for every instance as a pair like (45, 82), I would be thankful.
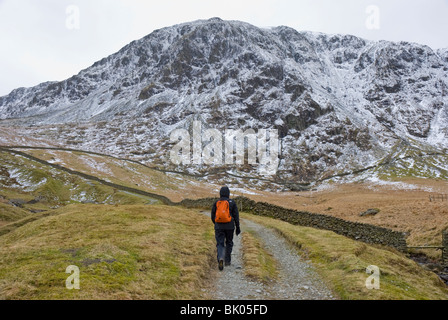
(235, 223)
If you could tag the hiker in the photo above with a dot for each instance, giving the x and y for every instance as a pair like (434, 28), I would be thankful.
(225, 217)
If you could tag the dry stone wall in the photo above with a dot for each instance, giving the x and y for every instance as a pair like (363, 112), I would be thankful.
(358, 231)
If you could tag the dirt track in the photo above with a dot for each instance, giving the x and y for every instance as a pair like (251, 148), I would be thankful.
(297, 279)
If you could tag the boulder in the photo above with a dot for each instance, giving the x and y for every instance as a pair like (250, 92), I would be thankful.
(370, 212)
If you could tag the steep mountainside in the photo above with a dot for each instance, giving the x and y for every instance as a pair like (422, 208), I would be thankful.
(341, 104)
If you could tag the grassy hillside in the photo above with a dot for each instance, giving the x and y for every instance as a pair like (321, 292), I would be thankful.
(125, 248)
(38, 188)
(128, 173)
(342, 263)
(128, 247)
(404, 206)
(415, 160)
(123, 252)
(9, 213)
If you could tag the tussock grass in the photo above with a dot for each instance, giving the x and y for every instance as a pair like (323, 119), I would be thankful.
(342, 264)
(259, 264)
(9, 213)
(405, 210)
(123, 252)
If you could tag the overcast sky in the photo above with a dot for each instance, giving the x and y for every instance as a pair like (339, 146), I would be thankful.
(48, 40)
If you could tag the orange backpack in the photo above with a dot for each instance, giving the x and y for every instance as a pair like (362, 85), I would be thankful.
(223, 212)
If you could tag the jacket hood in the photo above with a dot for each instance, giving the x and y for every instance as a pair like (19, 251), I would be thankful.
(225, 192)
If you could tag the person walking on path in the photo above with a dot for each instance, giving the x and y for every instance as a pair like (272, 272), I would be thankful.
(225, 217)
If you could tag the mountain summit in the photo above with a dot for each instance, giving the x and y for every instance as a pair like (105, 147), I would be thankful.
(341, 104)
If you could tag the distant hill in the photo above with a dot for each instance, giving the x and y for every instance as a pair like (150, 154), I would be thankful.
(341, 104)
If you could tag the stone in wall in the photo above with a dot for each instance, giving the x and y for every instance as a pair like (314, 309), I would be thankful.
(358, 231)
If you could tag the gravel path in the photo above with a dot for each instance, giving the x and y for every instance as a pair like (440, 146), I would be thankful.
(297, 280)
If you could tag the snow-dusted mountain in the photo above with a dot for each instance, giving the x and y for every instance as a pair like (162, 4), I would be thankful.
(340, 103)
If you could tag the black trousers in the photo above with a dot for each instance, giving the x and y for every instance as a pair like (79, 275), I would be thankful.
(224, 244)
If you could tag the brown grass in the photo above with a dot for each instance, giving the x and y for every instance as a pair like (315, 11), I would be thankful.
(123, 252)
(402, 210)
(342, 263)
(9, 213)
